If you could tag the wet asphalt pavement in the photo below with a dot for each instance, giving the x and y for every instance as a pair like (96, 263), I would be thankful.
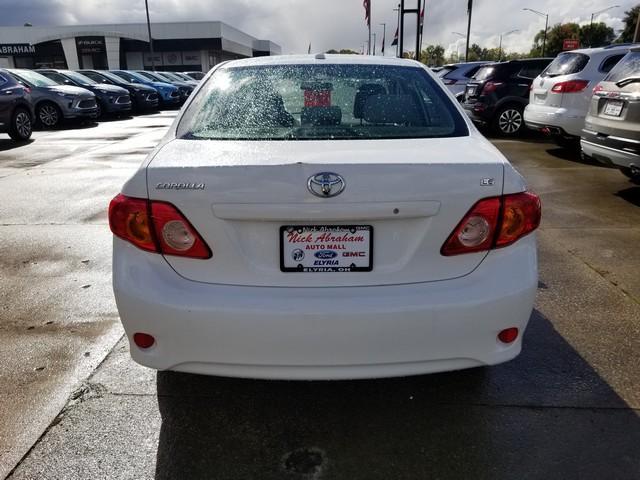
(566, 408)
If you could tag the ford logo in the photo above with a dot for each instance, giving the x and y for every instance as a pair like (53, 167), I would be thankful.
(325, 254)
(326, 184)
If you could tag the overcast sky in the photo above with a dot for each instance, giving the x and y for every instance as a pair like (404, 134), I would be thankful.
(328, 23)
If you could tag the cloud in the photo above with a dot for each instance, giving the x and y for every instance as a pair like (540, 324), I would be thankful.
(325, 24)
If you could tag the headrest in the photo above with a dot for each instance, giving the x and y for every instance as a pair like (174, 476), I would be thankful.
(322, 116)
(399, 109)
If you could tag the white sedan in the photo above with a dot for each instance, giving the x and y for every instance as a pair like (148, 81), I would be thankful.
(324, 217)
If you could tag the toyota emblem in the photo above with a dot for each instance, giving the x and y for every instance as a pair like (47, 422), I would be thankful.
(326, 184)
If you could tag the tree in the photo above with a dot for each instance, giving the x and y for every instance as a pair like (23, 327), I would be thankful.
(555, 36)
(630, 19)
(596, 35)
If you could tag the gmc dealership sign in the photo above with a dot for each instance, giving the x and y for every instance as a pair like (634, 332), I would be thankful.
(16, 49)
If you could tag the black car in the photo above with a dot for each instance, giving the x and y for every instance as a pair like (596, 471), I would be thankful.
(16, 109)
(498, 93)
(142, 96)
(109, 98)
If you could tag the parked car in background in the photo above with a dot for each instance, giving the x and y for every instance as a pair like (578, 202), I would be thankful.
(195, 75)
(184, 76)
(611, 131)
(561, 94)
(174, 77)
(214, 218)
(52, 102)
(184, 88)
(499, 92)
(109, 98)
(143, 97)
(16, 109)
(456, 76)
(169, 94)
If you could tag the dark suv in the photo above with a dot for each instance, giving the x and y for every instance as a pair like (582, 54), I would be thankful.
(498, 93)
(16, 110)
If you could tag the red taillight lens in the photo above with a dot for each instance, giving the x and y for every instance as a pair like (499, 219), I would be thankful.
(156, 227)
(175, 234)
(521, 215)
(129, 219)
(476, 230)
(494, 223)
(598, 88)
(571, 86)
(490, 87)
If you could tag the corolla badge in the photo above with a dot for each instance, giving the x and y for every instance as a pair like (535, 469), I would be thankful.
(326, 184)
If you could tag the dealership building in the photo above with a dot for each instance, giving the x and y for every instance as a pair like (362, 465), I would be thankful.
(177, 46)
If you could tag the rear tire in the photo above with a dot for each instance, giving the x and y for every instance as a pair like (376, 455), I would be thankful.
(509, 121)
(49, 115)
(628, 173)
(99, 111)
(21, 126)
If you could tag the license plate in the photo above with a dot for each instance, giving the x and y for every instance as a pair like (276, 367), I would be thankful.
(613, 108)
(326, 248)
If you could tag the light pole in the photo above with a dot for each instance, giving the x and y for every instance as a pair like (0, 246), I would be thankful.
(384, 36)
(374, 43)
(463, 36)
(591, 22)
(500, 47)
(397, 30)
(546, 26)
(153, 60)
(469, 11)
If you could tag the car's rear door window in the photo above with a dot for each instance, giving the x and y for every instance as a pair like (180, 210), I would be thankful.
(311, 102)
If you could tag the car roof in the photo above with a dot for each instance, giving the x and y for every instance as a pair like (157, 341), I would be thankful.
(624, 47)
(320, 59)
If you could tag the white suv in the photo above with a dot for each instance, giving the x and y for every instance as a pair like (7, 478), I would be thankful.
(560, 95)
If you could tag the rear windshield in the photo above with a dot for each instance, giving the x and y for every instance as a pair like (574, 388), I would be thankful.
(628, 67)
(566, 64)
(79, 78)
(312, 102)
(485, 72)
(446, 70)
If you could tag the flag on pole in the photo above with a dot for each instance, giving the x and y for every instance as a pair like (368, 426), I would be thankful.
(395, 38)
(367, 11)
(422, 20)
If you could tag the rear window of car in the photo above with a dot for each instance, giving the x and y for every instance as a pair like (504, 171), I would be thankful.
(485, 72)
(566, 64)
(321, 102)
(629, 66)
(446, 70)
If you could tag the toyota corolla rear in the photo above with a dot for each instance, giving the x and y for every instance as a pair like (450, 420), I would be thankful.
(322, 218)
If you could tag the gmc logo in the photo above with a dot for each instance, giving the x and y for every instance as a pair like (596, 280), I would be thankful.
(353, 254)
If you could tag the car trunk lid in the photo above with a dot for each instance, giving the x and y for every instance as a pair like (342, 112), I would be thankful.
(239, 196)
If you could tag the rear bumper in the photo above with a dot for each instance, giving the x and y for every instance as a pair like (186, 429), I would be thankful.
(561, 121)
(479, 113)
(612, 151)
(325, 333)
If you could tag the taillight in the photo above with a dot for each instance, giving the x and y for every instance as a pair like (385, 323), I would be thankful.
(156, 227)
(570, 86)
(494, 223)
(490, 87)
(598, 88)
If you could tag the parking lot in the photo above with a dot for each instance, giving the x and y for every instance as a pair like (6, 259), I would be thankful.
(74, 405)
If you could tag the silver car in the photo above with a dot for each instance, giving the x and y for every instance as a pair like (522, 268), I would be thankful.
(53, 102)
(456, 76)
